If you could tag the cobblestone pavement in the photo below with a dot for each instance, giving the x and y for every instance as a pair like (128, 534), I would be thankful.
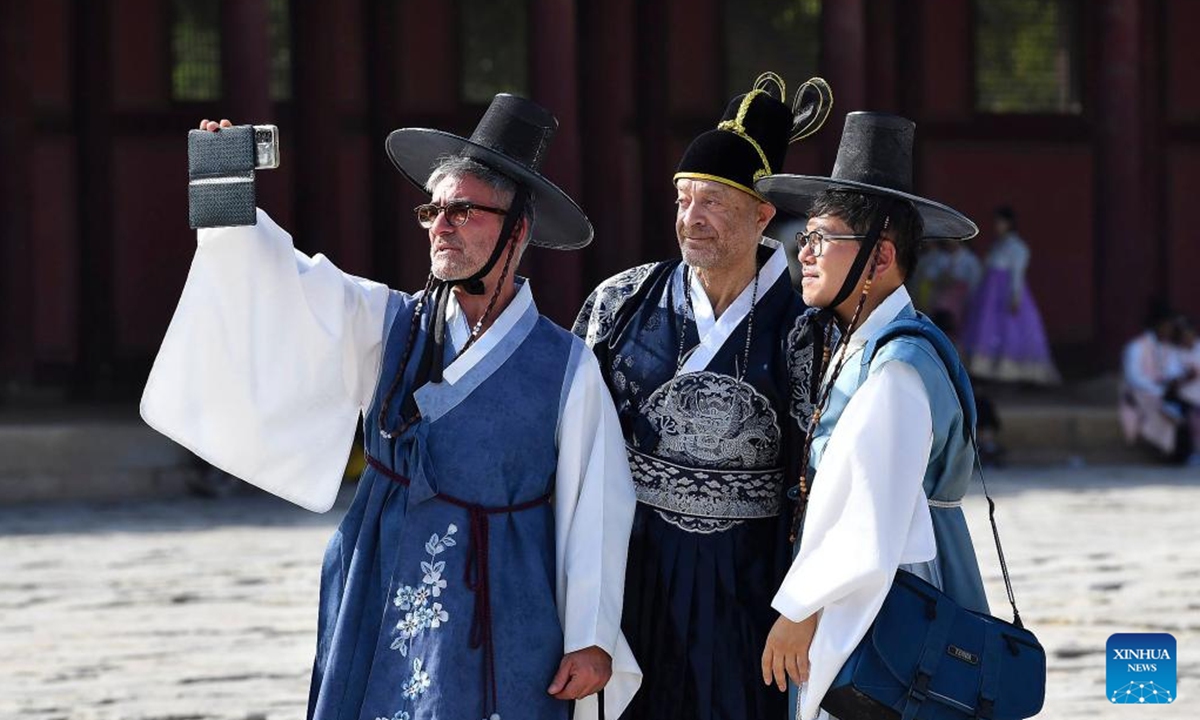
(191, 609)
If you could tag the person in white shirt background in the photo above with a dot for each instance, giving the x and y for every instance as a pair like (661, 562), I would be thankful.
(1189, 349)
(1160, 393)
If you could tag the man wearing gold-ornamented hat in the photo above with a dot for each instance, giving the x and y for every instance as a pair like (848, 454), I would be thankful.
(712, 403)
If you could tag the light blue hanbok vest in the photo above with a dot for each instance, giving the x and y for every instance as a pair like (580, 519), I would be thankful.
(913, 339)
(438, 589)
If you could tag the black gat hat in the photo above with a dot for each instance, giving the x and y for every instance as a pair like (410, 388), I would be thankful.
(874, 158)
(511, 138)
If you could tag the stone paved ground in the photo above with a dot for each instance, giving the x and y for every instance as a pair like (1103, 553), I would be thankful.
(191, 610)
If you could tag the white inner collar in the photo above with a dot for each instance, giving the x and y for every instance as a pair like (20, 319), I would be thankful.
(460, 331)
(881, 316)
(714, 331)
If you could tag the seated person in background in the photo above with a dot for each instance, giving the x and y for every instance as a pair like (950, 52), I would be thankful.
(1152, 374)
(1188, 350)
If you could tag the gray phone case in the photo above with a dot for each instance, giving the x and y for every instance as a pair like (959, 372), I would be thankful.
(221, 177)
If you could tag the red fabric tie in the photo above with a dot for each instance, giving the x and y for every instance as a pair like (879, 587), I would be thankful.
(475, 574)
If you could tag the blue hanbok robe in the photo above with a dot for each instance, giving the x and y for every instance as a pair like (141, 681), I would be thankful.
(482, 544)
(711, 456)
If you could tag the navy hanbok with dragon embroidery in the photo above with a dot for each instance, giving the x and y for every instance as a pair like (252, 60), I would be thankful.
(712, 409)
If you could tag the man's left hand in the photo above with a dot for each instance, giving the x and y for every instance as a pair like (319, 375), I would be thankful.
(581, 673)
(786, 654)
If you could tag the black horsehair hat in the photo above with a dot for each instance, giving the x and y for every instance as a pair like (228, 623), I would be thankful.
(752, 138)
(874, 158)
(511, 138)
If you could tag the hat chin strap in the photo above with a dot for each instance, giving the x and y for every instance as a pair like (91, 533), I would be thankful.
(434, 356)
(437, 292)
(865, 250)
(819, 336)
(827, 315)
(474, 284)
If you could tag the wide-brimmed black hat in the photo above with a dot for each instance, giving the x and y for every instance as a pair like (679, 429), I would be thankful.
(752, 138)
(875, 158)
(512, 138)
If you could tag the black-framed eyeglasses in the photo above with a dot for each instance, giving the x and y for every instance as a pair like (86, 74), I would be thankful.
(457, 212)
(816, 241)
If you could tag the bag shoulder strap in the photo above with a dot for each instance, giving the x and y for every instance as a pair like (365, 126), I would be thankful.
(1012, 600)
(923, 328)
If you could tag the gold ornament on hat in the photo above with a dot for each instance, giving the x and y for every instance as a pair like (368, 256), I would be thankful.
(811, 106)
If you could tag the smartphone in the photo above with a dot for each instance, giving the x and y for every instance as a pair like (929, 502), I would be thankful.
(266, 147)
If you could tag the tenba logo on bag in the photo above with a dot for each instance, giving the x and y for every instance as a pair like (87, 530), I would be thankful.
(1141, 669)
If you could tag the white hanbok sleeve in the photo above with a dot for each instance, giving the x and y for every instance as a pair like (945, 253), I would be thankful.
(867, 515)
(1134, 364)
(1190, 391)
(268, 361)
(593, 506)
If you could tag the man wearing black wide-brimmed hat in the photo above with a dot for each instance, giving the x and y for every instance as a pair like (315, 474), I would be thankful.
(695, 355)
(891, 436)
(478, 572)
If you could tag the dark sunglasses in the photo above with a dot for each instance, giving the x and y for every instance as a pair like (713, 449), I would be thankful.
(457, 213)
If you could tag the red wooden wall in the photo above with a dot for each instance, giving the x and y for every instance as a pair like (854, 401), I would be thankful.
(93, 231)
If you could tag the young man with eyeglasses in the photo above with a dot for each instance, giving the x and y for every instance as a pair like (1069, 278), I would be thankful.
(479, 570)
(889, 448)
(696, 353)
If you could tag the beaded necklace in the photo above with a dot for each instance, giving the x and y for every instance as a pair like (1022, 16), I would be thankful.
(823, 396)
(417, 320)
(687, 295)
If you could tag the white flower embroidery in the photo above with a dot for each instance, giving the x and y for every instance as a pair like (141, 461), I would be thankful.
(439, 615)
(404, 597)
(419, 614)
(418, 683)
(410, 625)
